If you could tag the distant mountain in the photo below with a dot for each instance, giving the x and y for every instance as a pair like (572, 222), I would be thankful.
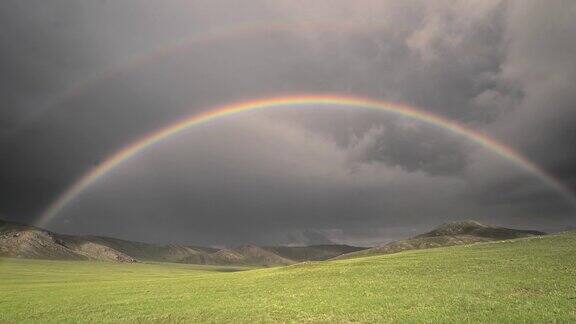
(474, 228)
(23, 241)
(455, 233)
(313, 252)
(243, 255)
(151, 252)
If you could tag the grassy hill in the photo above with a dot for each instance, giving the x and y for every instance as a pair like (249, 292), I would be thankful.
(531, 279)
(449, 234)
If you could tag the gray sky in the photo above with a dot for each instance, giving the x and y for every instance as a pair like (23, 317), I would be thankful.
(288, 176)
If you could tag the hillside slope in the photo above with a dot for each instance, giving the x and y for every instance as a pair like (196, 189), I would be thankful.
(22, 241)
(449, 234)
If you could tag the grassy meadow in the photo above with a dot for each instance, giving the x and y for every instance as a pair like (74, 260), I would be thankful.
(523, 280)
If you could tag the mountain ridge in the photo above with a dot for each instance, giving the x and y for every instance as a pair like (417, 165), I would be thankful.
(25, 241)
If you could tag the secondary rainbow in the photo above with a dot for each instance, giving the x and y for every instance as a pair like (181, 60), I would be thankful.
(201, 39)
(298, 101)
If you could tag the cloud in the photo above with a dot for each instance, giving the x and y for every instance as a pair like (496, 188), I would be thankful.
(344, 175)
(413, 147)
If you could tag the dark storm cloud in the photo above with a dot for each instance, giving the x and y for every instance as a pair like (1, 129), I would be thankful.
(539, 64)
(293, 176)
(412, 147)
(544, 68)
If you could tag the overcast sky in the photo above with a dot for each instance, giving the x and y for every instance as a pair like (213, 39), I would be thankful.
(73, 93)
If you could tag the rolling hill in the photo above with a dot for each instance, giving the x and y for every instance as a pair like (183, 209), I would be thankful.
(17, 240)
(146, 251)
(23, 241)
(454, 233)
(525, 280)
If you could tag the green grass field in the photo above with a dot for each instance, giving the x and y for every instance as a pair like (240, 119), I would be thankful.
(525, 280)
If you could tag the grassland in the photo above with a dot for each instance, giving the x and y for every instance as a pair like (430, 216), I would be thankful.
(530, 279)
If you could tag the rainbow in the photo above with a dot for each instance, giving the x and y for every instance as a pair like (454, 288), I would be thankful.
(317, 100)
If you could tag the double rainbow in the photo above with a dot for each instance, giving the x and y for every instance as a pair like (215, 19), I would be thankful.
(316, 100)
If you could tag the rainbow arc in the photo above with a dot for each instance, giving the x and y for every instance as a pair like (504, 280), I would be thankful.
(297, 102)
